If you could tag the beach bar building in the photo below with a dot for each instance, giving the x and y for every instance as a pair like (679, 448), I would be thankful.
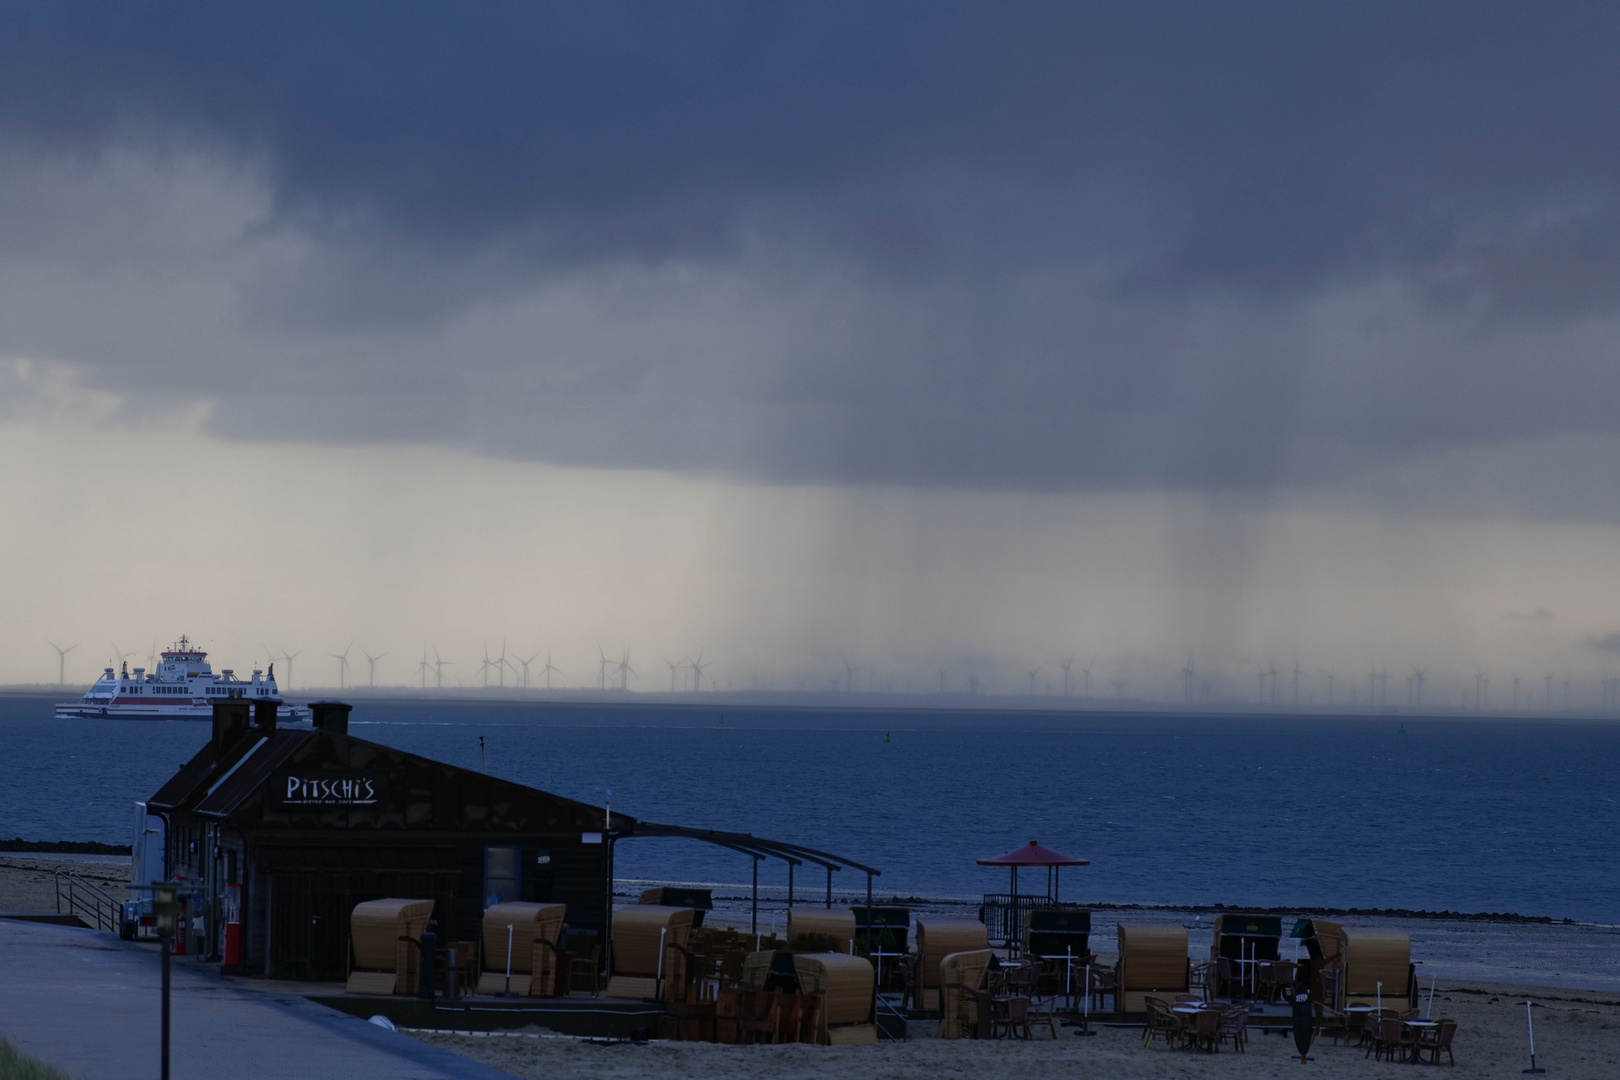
(280, 832)
(283, 831)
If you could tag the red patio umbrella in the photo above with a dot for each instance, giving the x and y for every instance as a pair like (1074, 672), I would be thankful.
(1033, 854)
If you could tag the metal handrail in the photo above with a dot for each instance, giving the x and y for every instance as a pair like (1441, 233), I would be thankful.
(83, 898)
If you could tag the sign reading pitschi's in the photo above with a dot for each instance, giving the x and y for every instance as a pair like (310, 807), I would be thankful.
(326, 787)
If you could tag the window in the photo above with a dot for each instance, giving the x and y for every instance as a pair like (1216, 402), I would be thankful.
(501, 875)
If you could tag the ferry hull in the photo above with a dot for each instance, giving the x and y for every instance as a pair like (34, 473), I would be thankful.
(75, 710)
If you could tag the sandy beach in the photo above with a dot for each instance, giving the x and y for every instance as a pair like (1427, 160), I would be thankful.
(1576, 1036)
(1568, 971)
(28, 883)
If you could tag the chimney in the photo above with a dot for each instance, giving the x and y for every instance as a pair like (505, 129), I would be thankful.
(264, 716)
(230, 722)
(330, 716)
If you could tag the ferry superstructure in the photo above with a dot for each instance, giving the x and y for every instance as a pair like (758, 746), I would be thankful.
(184, 687)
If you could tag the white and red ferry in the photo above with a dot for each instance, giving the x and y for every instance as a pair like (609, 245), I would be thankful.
(184, 687)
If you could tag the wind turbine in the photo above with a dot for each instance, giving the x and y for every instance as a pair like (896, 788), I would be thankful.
(1086, 671)
(438, 670)
(1032, 672)
(501, 664)
(697, 667)
(424, 667)
(625, 670)
(548, 669)
(371, 661)
(1419, 677)
(119, 656)
(61, 660)
(483, 669)
(673, 668)
(1296, 673)
(288, 658)
(1068, 676)
(601, 671)
(1189, 677)
(526, 664)
(343, 665)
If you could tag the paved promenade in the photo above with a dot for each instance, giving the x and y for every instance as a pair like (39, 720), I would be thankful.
(87, 1003)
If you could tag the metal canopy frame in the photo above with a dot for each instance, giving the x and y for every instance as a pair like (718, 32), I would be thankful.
(758, 848)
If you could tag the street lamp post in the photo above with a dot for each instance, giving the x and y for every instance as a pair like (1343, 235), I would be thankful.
(165, 901)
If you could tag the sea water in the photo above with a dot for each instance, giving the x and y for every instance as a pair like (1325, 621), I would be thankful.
(1346, 812)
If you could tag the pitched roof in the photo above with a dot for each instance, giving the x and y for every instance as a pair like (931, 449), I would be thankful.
(224, 790)
(200, 773)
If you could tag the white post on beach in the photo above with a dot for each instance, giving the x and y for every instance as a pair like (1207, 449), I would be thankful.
(1530, 1027)
(1429, 1008)
(1085, 1003)
(1068, 970)
(659, 982)
(1380, 995)
(508, 960)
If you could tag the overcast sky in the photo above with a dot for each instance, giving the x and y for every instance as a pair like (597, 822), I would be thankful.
(938, 334)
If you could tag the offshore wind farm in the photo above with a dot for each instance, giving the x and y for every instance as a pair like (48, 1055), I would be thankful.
(1056, 683)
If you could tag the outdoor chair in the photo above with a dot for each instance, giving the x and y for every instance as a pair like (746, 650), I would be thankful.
(1104, 984)
(906, 970)
(1161, 1022)
(1198, 980)
(1019, 979)
(759, 1015)
(1234, 1026)
(1225, 981)
(1009, 1017)
(1389, 1038)
(1334, 1024)
(588, 969)
(1276, 979)
(1327, 986)
(1043, 1013)
(1369, 1024)
(1202, 1030)
(1435, 1041)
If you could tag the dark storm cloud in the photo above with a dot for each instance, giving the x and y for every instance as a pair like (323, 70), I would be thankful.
(1054, 245)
